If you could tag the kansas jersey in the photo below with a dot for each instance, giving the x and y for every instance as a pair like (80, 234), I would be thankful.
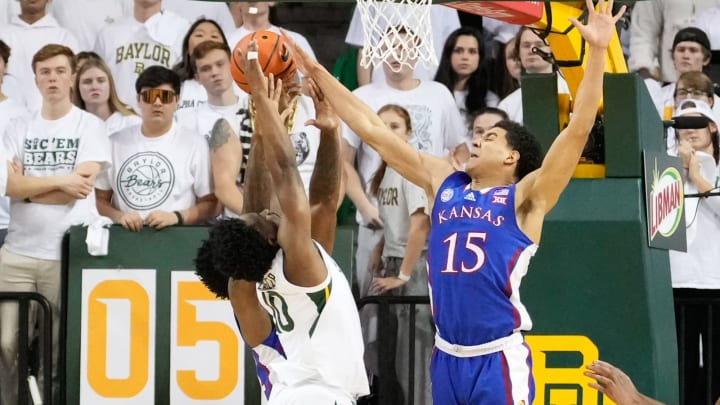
(477, 257)
(319, 330)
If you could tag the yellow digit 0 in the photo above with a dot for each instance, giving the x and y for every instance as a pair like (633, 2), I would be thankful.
(191, 331)
(98, 336)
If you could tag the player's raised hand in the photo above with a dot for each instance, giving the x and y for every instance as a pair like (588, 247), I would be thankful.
(304, 62)
(326, 120)
(256, 79)
(600, 27)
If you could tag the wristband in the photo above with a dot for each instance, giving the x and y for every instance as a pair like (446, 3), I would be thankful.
(403, 277)
(179, 217)
(252, 55)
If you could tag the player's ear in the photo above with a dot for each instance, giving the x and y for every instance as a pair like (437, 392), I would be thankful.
(512, 157)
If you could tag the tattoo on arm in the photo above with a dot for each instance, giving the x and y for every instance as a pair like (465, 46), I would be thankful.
(220, 134)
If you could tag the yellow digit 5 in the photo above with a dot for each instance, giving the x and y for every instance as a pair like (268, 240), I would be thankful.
(191, 331)
(98, 335)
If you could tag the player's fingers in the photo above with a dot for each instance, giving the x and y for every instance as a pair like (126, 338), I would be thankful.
(597, 386)
(620, 13)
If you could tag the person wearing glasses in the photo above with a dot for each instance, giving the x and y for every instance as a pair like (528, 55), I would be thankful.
(690, 53)
(57, 154)
(694, 85)
(161, 171)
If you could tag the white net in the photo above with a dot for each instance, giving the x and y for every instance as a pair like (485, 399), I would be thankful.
(397, 33)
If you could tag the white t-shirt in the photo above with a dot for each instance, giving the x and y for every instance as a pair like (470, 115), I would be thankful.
(168, 173)
(86, 18)
(708, 22)
(193, 94)
(117, 121)
(319, 326)
(512, 104)
(129, 46)
(53, 148)
(202, 119)
(444, 20)
(24, 41)
(194, 10)
(300, 40)
(10, 110)
(698, 267)
(398, 199)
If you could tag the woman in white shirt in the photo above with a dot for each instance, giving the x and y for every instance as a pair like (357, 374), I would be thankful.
(695, 273)
(97, 95)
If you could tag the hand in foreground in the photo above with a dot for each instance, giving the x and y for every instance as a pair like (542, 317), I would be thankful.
(304, 62)
(131, 221)
(326, 120)
(161, 219)
(612, 382)
(600, 27)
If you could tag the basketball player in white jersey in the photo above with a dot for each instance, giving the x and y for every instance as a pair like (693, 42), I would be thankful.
(303, 303)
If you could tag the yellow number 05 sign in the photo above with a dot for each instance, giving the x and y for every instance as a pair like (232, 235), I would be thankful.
(118, 341)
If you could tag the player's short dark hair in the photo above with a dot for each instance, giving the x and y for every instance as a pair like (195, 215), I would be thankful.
(236, 250)
(4, 51)
(157, 75)
(521, 140)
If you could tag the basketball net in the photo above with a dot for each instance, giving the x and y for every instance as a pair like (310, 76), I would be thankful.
(397, 33)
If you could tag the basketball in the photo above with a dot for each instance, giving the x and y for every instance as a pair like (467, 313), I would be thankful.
(273, 55)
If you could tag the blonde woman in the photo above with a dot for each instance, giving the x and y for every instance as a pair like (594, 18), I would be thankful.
(96, 94)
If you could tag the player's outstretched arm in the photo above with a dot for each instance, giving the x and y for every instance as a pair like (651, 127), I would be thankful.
(304, 266)
(326, 183)
(543, 187)
(421, 169)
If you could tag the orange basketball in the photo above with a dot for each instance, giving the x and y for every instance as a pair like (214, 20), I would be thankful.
(273, 55)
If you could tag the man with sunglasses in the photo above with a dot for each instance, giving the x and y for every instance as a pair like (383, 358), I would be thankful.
(161, 171)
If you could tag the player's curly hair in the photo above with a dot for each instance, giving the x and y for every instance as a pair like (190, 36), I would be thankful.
(236, 250)
(521, 140)
(214, 279)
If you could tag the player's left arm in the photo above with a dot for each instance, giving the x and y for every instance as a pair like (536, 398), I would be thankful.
(304, 266)
(538, 192)
(326, 183)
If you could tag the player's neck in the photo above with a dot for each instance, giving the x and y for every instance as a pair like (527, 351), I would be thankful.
(31, 18)
(142, 14)
(223, 99)
(100, 110)
(258, 22)
(480, 183)
(3, 97)
(55, 110)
